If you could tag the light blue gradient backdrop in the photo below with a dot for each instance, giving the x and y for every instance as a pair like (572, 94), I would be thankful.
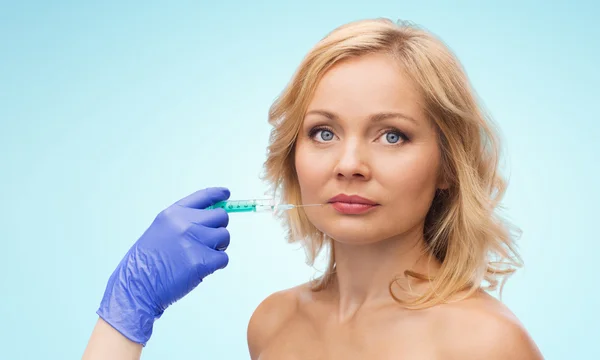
(110, 111)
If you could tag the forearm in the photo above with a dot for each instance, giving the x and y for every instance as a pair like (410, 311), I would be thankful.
(108, 343)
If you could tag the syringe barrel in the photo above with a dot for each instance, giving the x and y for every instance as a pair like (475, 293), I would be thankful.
(232, 206)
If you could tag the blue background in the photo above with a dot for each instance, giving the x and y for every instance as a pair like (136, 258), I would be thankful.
(110, 111)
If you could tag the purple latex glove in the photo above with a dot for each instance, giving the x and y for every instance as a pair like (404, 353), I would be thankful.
(184, 244)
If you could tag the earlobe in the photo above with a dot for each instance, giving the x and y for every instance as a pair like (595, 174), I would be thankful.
(442, 184)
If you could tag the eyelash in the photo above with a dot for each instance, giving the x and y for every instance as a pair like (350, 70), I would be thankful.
(392, 130)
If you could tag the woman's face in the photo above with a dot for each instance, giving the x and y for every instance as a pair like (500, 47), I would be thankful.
(365, 134)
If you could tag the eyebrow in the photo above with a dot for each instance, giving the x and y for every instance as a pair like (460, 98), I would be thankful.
(373, 118)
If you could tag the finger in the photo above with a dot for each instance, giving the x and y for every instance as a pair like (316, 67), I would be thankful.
(211, 261)
(182, 218)
(216, 239)
(213, 218)
(204, 198)
(219, 259)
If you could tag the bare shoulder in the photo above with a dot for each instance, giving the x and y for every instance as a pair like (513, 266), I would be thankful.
(270, 316)
(481, 327)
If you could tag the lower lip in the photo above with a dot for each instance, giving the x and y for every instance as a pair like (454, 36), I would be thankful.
(350, 208)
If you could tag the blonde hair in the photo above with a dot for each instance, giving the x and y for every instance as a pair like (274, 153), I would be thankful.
(462, 229)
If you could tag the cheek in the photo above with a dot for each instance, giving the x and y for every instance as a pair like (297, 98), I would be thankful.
(410, 183)
(311, 170)
(411, 174)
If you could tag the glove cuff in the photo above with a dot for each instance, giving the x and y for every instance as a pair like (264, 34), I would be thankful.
(134, 326)
(131, 315)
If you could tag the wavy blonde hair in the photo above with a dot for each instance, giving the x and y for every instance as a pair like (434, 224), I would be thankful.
(463, 230)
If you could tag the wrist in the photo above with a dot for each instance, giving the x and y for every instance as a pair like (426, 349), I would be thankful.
(133, 325)
(127, 308)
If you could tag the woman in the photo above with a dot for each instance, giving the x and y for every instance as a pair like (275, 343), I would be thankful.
(380, 125)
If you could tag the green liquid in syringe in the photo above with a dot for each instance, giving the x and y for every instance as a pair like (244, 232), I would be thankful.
(235, 206)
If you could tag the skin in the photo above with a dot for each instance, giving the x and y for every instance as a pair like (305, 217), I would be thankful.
(395, 162)
(107, 343)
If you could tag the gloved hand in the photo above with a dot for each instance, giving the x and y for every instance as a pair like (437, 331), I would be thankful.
(184, 244)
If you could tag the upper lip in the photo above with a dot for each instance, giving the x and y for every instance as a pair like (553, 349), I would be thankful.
(352, 199)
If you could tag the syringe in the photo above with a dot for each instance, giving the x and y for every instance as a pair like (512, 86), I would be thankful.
(255, 205)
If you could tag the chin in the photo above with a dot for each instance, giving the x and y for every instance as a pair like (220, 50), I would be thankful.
(367, 228)
(353, 236)
(350, 229)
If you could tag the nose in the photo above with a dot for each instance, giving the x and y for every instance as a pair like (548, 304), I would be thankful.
(353, 162)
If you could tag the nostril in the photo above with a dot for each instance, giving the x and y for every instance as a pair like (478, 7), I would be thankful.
(354, 175)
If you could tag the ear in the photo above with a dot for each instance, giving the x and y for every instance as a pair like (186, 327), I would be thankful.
(442, 183)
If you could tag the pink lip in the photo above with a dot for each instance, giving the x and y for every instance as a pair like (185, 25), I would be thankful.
(351, 204)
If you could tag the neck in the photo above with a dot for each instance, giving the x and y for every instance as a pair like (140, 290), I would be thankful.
(364, 272)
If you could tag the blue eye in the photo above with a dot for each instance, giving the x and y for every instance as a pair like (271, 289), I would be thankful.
(321, 134)
(395, 137)
(392, 137)
(326, 135)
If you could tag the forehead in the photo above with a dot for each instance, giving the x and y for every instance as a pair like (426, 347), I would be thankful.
(360, 86)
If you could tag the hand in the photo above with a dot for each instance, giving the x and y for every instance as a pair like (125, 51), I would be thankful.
(184, 244)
